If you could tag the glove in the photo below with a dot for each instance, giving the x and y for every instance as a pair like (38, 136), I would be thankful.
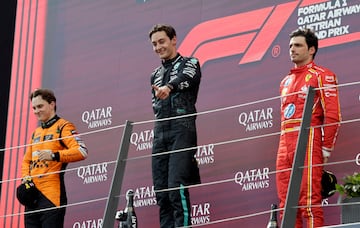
(328, 182)
(326, 152)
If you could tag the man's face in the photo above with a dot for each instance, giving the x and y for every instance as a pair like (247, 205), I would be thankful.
(163, 46)
(300, 53)
(42, 109)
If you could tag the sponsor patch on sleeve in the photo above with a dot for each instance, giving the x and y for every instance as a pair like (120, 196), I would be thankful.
(330, 78)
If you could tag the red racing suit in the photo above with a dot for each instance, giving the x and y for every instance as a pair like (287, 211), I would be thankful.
(326, 110)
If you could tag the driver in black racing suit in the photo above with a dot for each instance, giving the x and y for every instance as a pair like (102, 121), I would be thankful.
(175, 86)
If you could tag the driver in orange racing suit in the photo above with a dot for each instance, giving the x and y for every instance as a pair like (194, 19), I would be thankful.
(52, 146)
(325, 111)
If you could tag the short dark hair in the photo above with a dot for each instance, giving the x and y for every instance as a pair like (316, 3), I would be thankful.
(168, 29)
(46, 94)
(310, 38)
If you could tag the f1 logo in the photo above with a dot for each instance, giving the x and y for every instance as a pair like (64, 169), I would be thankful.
(250, 33)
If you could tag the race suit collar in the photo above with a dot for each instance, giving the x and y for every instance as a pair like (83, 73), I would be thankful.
(50, 122)
(303, 68)
(170, 62)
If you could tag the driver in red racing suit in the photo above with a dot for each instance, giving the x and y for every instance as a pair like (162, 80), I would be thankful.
(324, 121)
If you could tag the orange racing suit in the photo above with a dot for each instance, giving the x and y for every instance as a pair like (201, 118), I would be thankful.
(326, 110)
(69, 149)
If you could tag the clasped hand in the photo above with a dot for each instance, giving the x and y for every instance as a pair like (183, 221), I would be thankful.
(162, 92)
(45, 155)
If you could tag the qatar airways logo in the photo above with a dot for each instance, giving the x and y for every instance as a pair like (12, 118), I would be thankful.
(144, 196)
(93, 173)
(257, 119)
(253, 179)
(99, 117)
(200, 213)
(205, 154)
(251, 34)
(142, 140)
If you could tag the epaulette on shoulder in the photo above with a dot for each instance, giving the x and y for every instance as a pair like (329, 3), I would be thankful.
(62, 122)
(60, 128)
(314, 71)
(157, 69)
(191, 60)
(319, 68)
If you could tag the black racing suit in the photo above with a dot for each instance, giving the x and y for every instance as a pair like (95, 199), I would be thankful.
(175, 169)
